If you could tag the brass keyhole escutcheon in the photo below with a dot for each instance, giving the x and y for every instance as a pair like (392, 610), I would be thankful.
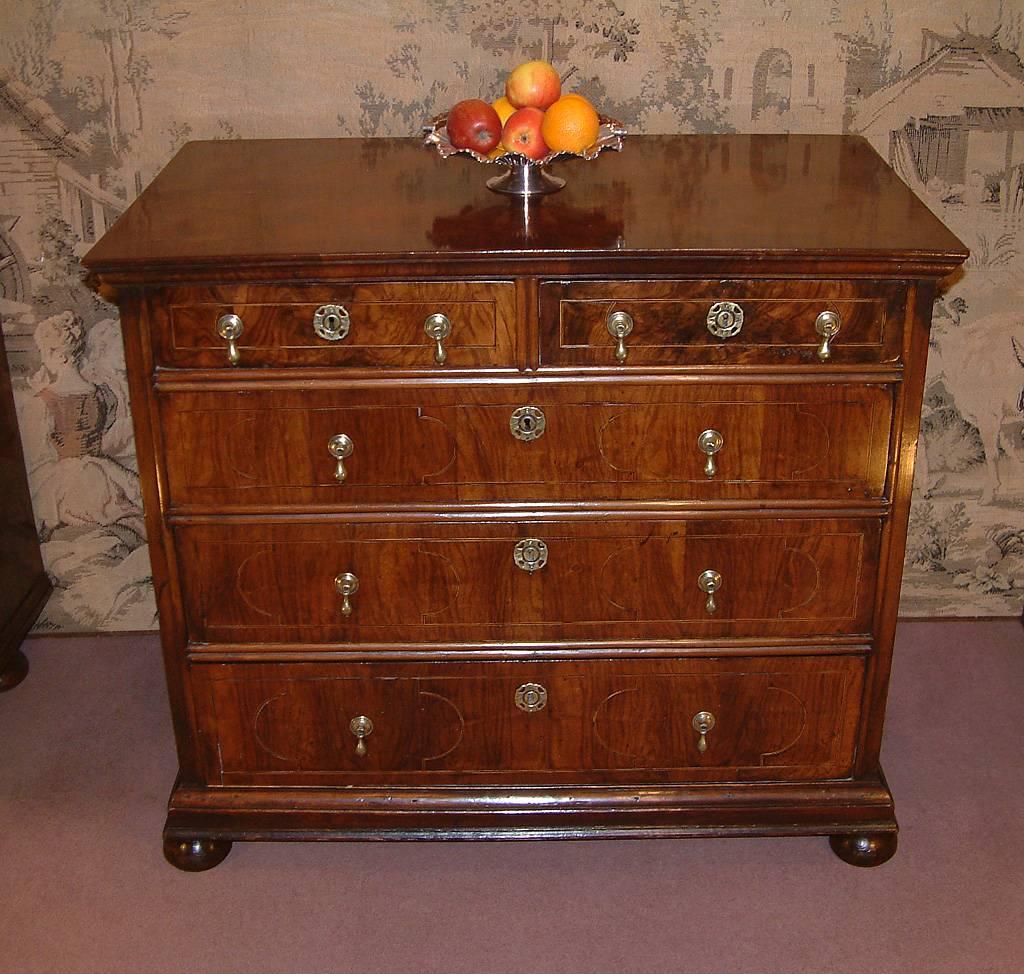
(530, 554)
(527, 423)
(230, 328)
(703, 724)
(709, 443)
(709, 583)
(331, 322)
(725, 319)
(340, 447)
(361, 727)
(827, 325)
(438, 327)
(619, 325)
(346, 585)
(531, 697)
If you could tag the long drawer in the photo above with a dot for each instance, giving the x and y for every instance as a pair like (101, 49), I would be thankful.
(417, 444)
(338, 325)
(624, 579)
(721, 322)
(752, 719)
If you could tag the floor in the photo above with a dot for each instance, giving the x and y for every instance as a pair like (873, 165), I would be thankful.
(88, 761)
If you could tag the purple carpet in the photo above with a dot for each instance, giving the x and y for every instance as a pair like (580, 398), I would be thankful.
(87, 762)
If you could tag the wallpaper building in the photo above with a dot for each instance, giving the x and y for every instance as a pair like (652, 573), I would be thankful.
(97, 95)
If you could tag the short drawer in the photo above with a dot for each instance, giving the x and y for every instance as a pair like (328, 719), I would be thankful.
(430, 581)
(343, 324)
(244, 449)
(747, 719)
(723, 322)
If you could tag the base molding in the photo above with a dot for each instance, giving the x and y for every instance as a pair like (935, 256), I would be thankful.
(475, 813)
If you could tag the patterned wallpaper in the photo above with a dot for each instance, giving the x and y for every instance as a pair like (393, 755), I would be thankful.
(96, 95)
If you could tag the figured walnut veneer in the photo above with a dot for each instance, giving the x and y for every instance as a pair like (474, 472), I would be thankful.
(683, 648)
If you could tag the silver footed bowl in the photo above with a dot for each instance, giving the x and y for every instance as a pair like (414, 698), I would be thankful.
(524, 176)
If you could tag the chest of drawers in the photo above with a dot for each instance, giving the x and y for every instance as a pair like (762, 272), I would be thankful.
(476, 518)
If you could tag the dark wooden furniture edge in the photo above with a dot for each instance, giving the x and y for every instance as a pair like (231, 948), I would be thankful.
(857, 816)
(13, 664)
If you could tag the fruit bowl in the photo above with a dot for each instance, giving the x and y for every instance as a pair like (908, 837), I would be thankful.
(524, 176)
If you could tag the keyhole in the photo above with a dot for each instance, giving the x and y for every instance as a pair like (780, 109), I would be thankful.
(331, 321)
(526, 424)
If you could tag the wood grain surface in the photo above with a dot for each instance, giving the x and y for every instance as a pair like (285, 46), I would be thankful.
(804, 515)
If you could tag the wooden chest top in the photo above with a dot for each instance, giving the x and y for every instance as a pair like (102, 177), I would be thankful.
(729, 201)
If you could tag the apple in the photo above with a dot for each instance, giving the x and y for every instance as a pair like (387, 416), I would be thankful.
(473, 124)
(534, 84)
(522, 133)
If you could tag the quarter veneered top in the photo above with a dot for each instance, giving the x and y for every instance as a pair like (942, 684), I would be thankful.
(267, 202)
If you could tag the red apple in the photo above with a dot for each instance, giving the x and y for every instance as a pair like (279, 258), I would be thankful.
(473, 124)
(522, 133)
(534, 84)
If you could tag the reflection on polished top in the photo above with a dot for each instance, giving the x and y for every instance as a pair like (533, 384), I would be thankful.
(275, 201)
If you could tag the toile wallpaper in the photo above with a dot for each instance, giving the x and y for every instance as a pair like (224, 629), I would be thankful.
(96, 95)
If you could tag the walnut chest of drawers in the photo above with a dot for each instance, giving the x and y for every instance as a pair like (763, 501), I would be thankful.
(481, 518)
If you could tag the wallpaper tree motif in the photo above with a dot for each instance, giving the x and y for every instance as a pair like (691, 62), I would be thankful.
(96, 95)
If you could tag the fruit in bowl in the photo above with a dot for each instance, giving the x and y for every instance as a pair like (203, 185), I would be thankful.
(535, 84)
(473, 124)
(522, 133)
(536, 123)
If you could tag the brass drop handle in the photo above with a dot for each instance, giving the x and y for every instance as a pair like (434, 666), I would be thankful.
(230, 327)
(709, 582)
(703, 724)
(619, 325)
(827, 325)
(347, 585)
(709, 443)
(361, 727)
(438, 328)
(340, 447)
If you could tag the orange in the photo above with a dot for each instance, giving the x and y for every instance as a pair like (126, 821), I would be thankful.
(570, 124)
(504, 108)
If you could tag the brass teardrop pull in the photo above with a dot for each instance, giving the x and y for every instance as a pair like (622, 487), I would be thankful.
(340, 447)
(710, 582)
(709, 443)
(619, 325)
(347, 585)
(361, 727)
(702, 724)
(438, 327)
(827, 325)
(230, 328)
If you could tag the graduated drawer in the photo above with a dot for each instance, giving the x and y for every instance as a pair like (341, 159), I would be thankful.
(779, 718)
(670, 322)
(243, 449)
(422, 582)
(385, 325)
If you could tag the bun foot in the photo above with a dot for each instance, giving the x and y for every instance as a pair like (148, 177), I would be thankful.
(864, 848)
(14, 672)
(196, 855)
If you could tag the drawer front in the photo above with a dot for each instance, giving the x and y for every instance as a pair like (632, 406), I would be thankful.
(782, 718)
(669, 322)
(621, 580)
(245, 449)
(384, 325)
